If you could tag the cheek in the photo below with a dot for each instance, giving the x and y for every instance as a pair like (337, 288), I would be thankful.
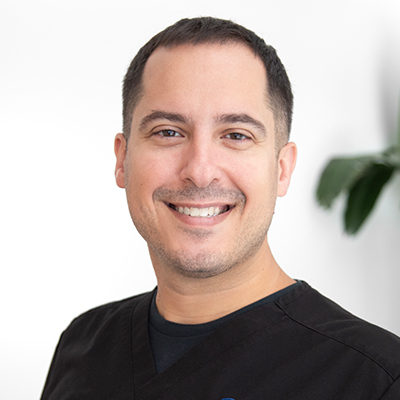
(255, 175)
(147, 172)
(260, 187)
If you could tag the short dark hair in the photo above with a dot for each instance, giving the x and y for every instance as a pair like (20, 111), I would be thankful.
(212, 30)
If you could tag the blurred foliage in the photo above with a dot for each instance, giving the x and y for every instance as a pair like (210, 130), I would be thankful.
(362, 178)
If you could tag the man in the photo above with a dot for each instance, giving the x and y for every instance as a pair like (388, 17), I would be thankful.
(203, 155)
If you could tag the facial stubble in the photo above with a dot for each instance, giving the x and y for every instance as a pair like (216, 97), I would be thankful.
(204, 264)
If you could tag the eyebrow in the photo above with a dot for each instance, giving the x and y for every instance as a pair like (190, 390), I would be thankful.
(220, 119)
(157, 115)
(243, 119)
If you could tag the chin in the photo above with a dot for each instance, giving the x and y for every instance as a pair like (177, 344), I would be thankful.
(200, 266)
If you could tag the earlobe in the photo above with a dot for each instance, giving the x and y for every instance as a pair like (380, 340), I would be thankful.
(120, 154)
(286, 163)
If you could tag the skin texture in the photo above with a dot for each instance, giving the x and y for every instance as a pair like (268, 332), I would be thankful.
(203, 136)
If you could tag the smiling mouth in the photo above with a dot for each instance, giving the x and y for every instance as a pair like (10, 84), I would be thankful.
(206, 212)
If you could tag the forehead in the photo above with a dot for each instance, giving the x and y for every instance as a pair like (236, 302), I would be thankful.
(205, 70)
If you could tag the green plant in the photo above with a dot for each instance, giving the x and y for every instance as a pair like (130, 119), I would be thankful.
(362, 178)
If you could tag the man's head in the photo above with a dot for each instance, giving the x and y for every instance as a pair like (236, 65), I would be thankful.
(202, 170)
(210, 30)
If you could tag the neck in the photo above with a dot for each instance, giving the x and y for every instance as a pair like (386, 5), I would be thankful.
(194, 301)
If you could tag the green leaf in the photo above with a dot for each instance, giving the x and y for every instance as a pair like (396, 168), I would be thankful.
(338, 175)
(363, 195)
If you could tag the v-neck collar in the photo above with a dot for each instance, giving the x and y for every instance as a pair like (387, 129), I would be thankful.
(148, 385)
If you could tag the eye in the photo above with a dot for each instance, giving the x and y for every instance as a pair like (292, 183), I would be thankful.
(237, 136)
(168, 133)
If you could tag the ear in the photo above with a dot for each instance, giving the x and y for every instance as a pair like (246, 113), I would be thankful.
(286, 163)
(120, 153)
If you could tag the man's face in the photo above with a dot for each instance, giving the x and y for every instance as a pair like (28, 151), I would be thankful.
(201, 171)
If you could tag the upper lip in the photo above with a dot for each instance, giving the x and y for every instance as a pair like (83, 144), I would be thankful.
(211, 196)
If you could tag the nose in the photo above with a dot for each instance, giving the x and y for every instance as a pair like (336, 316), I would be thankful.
(200, 163)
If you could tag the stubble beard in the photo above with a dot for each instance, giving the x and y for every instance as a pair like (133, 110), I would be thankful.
(204, 264)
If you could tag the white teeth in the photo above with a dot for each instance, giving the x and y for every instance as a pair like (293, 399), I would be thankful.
(194, 212)
(199, 212)
(203, 212)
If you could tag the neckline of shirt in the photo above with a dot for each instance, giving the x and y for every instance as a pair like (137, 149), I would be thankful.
(174, 329)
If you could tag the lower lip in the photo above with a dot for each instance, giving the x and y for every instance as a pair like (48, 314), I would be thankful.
(200, 221)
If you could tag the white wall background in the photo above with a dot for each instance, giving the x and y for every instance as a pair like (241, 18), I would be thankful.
(67, 243)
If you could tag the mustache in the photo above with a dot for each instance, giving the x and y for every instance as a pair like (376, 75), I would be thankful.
(194, 193)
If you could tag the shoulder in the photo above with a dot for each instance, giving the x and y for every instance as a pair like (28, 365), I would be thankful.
(97, 338)
(317, 313)
(110, 314)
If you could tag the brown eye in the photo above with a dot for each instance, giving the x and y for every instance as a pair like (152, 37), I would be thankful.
(237, 136)
(168, 133)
